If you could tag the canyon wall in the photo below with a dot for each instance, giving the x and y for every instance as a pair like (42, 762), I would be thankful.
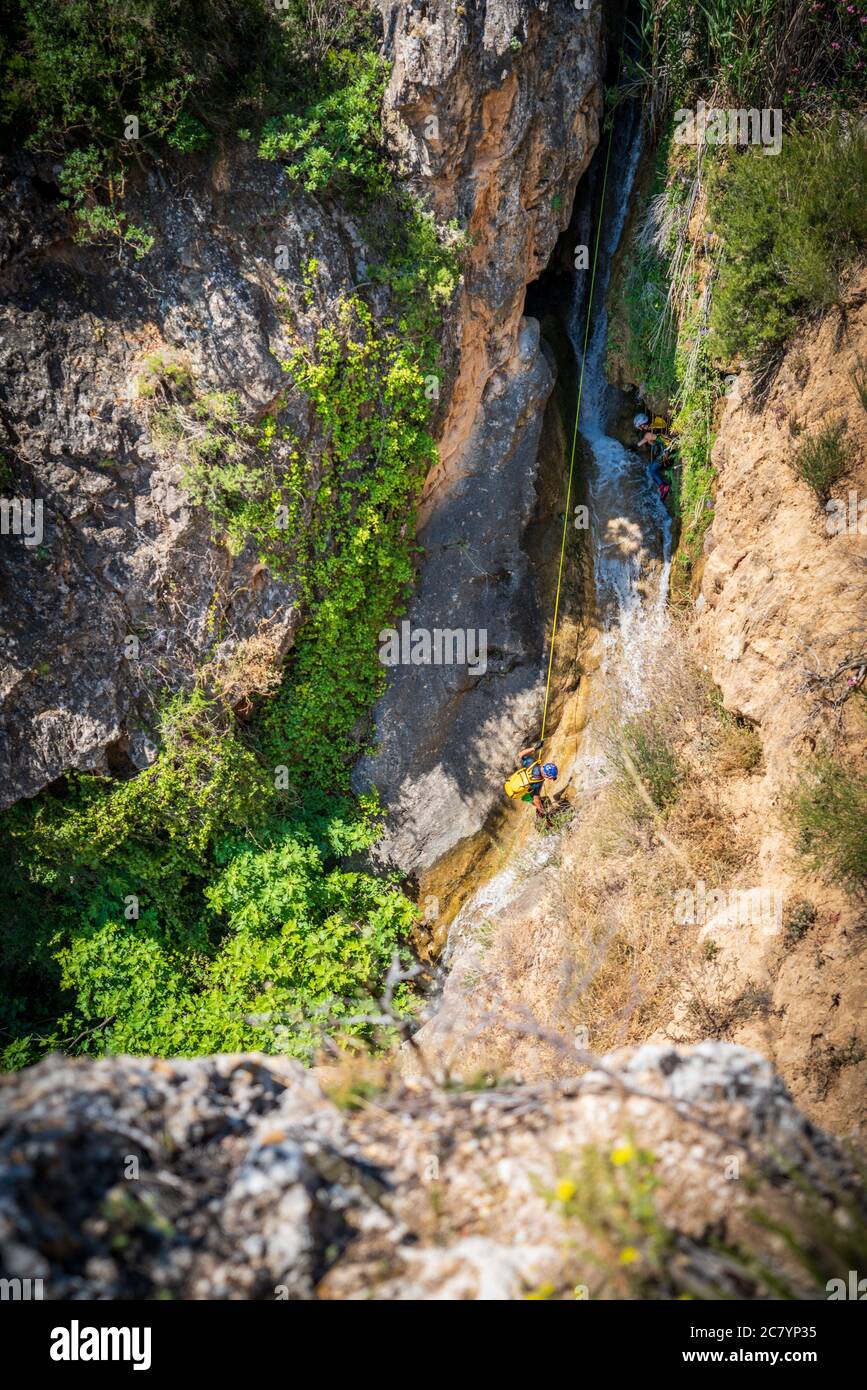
(122, 597)
(512, 92)
(579, 933)
(780, 616)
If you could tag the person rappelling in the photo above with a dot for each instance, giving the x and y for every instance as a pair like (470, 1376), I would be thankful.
(654, 435)
(527, 783)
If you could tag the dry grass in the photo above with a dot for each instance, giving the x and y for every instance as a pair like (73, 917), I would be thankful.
(633, 849)
(592, 946)
(250, 670)
(739, 749)
(353, 1077)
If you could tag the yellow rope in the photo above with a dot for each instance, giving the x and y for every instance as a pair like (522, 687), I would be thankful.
(575, 431)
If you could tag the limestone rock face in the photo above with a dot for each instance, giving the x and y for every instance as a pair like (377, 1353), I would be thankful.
(235, 1177)
(784, 583)
(123, 553)
(495, 110)
(784, 608)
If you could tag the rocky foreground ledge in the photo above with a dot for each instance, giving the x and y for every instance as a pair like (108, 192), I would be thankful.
(237, 1177)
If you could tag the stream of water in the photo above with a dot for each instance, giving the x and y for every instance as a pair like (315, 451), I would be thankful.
(631, 528)
(631, 533)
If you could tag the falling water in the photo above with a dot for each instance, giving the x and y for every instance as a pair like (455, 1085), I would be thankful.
(632, 535)
(631, 528)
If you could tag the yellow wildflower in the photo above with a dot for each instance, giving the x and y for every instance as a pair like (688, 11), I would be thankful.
(624, 1153)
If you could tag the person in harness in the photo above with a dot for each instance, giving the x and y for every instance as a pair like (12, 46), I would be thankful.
(655, 437)
(528, 782)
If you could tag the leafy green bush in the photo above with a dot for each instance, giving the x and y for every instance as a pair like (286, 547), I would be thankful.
(249, 933)
(337, 139)
(252, 929)
(368, 393)
(693, 422)
(829, 809)
(187, 134)
(88, 189)
(72, 73)
(790, 224)
(823, 458)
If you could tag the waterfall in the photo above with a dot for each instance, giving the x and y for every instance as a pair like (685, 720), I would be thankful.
(631, 528)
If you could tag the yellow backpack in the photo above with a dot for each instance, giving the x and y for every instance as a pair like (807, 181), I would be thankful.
(521, 781)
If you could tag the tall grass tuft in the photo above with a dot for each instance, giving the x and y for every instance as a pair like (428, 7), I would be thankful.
(823, 458)
(646, 766)
(829, 809)
(858, 378)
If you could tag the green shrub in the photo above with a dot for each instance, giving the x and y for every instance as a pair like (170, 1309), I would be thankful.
(790, 224)
(249, 933)
(87, 185)
(73, 71)
(829, 810)
(824, 458)
(750, 53)
(253, 931)
(858, 378)
(71, 74)
(166, 376)
(337, 139)
(799, 919)
(693, 423)
(354, 561)
(642, 749)
(187, 134)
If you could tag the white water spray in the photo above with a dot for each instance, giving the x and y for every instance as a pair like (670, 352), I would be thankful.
(631, 527)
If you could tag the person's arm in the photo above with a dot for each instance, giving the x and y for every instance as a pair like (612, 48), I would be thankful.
(537, 802)
(527, 752)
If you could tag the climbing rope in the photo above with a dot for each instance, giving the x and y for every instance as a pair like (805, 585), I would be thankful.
(575, 430)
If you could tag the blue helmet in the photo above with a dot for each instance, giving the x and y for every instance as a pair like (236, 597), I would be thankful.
(550, 770)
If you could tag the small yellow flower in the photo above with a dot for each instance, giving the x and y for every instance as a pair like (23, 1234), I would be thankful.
(629, 1255)
(539, 1295)
(624, 1153)
(565, 1190)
